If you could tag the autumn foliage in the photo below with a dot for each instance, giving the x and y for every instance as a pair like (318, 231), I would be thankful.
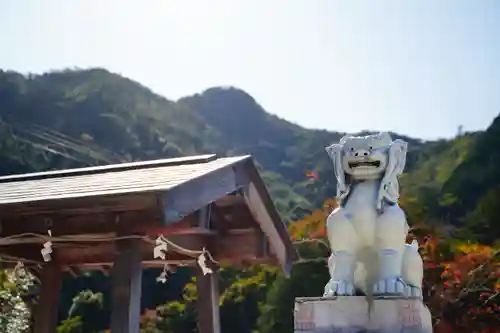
(312, 226)
(463, 285)
(461, 280)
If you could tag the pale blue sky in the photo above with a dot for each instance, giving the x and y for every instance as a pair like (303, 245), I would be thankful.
(415, 67)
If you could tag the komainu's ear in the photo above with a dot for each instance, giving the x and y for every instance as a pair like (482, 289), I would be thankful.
(395, 166)
(385, 137)
(397, 156)
(335, 153)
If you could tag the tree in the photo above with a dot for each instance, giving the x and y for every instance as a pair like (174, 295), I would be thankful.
(14, 313)
(463, 284)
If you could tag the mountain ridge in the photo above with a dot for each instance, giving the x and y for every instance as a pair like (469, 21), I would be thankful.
(113, 118)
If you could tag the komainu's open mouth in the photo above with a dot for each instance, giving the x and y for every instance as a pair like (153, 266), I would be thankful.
(364, 163)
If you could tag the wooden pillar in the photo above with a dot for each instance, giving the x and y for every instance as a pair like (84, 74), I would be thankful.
(126, 288)
(207, 287)
(46, 310)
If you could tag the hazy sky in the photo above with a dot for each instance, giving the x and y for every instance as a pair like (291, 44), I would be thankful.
(416, 67)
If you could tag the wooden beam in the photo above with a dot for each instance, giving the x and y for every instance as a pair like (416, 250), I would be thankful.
(73, 271)
(207, 287)
(230, 201)
(239, 244)
(232, 217)
(90, 253)
(260, 203)
(86, 205)
(98, 226)
(234, 246)
(104, 253)
(90, 223)
(217, 220)
(67, 224)
(204, 217)
(105, 269)
(241, 262)
(261, 215)
(47, 309)
(189, 261)
(126, 288)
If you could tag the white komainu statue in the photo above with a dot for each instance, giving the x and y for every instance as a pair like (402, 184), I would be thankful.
(367, 232)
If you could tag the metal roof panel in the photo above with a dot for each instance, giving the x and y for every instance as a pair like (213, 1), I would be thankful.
(108, 180)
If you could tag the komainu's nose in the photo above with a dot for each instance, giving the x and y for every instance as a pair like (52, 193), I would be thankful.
(362, 152)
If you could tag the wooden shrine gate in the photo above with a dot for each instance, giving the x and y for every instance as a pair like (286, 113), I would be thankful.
(109, 217)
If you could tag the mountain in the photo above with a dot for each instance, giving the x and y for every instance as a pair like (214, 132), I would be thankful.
(72, 118)
(285, 150)
(474, 186)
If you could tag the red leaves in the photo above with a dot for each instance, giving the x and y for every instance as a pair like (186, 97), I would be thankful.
(457, 275)
(464, 282)
(430, 265)
(312, 174)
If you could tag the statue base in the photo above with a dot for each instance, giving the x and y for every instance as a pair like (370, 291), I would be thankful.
(358, 314)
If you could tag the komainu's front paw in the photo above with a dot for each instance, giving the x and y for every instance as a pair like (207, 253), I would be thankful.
(392, 286)
(413, 291)
(339, 288)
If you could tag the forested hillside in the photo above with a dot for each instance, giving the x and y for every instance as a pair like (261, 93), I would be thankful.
(85, 117)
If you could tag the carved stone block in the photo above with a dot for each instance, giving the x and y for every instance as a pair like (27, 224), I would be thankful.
(356, 314)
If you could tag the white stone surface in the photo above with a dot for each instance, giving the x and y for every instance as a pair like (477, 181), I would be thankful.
(356, 314)
(367, 232)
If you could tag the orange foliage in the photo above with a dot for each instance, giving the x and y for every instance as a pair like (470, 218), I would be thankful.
(312, 226)
(462, 284)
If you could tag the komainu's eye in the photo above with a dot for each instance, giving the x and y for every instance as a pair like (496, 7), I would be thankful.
(352, 149)
(370, 148)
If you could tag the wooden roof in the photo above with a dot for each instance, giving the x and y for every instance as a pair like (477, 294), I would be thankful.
(159, 175)
(136, 198)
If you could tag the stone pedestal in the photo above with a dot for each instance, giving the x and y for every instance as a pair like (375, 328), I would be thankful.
(357, 314)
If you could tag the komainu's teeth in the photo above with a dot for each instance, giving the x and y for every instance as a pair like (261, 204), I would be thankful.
(364, 163)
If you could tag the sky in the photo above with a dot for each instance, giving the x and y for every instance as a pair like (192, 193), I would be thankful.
(420, 68)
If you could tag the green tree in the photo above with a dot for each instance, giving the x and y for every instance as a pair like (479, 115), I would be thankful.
(15, 316)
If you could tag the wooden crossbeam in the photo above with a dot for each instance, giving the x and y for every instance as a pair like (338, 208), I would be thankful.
(80, 206)
(237, 246)
(73, 271)
(145, 221)
(91, 223)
